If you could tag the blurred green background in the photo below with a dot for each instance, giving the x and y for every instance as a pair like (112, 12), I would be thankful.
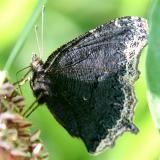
(64, 20)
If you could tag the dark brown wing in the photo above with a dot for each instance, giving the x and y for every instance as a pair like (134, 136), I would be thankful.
(92, 80)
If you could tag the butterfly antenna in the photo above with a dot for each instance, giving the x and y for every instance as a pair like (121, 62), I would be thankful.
(42, 33)
(37, 39)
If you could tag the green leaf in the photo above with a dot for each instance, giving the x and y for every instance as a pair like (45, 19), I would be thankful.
(153, 63)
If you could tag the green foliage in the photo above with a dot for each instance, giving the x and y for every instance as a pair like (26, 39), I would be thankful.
(153, 63)
(23, 36)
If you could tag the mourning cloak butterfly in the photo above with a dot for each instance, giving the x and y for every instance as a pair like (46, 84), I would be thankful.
(87, 83)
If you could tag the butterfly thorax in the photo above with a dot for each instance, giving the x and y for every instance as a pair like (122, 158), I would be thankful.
(38, 80)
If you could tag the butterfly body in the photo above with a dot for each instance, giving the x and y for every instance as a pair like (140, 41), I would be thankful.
(87, 84)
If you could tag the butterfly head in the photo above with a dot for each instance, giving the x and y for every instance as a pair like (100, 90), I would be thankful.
(37, 63)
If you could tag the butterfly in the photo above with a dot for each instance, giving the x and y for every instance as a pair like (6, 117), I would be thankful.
(87, 84)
